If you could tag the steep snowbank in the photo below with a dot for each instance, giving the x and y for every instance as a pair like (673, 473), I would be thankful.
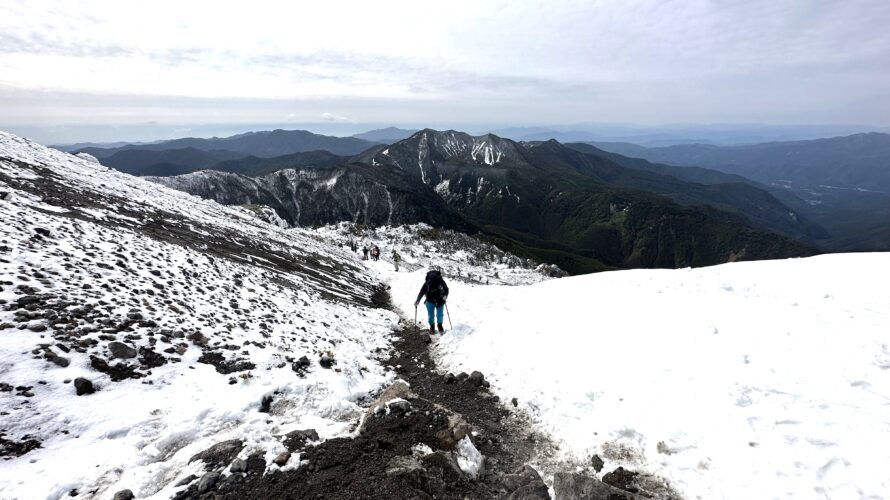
(749, 380)
(212, 307)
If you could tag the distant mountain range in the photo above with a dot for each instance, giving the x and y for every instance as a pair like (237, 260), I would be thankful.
(670, 135)
(860, 161)
(266, 144)
(840, 183)
(386, 135)
(775, 187)
(580, 210)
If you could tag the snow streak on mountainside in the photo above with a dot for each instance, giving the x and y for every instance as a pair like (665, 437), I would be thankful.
(426, 149)
(181, 323)
(747, 380)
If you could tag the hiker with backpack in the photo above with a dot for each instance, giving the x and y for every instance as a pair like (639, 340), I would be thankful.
(396, 258)
(375, 253)
(436, 292)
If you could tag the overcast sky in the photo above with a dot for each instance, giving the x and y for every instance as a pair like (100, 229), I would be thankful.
(455, 62)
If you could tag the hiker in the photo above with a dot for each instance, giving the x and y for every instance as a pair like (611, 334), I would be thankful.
(375, 253)
(436, 292)
(396, 258)
(365, 251)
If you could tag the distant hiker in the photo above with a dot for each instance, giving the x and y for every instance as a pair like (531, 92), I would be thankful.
(396, 258)
(436, 292)
(375, 253)
(365, 251)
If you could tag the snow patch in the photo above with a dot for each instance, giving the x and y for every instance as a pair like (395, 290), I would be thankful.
(468, 457)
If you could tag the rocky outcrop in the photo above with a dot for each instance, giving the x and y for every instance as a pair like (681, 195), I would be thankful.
(316, 196)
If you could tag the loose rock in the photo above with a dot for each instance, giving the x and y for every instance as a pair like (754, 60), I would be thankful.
(124, 495)
(238, 465)
(220, 454)
(121, 351)
(83, 386)
(570, 486)
(296, 440)
(208, 481)
(282, 458)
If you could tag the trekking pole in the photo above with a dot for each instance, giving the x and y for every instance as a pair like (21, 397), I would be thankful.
(415, 318)
(450, 326)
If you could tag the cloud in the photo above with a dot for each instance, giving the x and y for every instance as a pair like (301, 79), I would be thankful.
(330, 117)
(640, 60)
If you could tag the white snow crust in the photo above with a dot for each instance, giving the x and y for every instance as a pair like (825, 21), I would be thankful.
(747, 380)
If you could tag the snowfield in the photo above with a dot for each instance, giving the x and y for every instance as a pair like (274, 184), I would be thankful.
(197, 324)
(748, 380)
(183, 314)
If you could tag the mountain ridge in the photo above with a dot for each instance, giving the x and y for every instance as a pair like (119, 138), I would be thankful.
(263, 144)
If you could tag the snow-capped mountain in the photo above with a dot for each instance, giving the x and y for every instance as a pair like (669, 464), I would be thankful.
(425, 151)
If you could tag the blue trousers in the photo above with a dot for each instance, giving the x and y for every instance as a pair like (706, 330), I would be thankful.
(433, 308)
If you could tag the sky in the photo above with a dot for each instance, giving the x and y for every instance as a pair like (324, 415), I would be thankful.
(94, 65)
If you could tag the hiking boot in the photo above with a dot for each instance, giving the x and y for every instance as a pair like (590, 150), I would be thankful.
(441, 328)
(432, 329)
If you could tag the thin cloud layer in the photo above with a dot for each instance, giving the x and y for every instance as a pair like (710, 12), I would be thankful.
(512, 62)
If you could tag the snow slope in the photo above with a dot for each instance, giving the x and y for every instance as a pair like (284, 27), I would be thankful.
(217, 303)
(420, 246)
(748, 380)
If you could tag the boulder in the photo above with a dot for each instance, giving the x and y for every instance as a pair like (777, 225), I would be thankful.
(83, 386)
(36, 325)
(476, 378)
(457, 429)
(266, 404)
(398, 389)
(121, 351)
(442, 469)
(399, 407)
(531, 492)
(186, 480)
(220, 454)
(621, 478)
(59, 360)
(238, 465)
(296, 440)
(572, 486)
(326, 360)
(208, 481)
(124, 495)
(409, 470)
(301, 365)
(525, 484)
(400, 466)
(597, 463)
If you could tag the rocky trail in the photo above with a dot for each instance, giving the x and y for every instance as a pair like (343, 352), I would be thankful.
(410, 444)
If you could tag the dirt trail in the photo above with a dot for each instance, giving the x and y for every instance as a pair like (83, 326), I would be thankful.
(350, 468)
